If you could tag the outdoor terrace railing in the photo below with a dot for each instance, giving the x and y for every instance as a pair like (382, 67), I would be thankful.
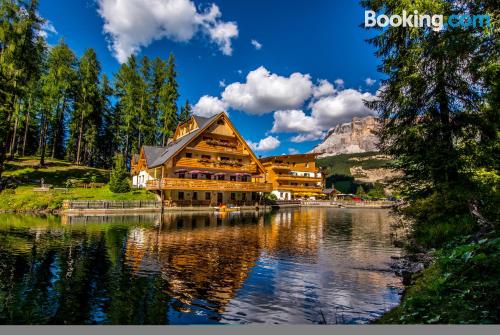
(208, 185)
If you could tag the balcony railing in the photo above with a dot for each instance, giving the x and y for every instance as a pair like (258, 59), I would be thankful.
(299, 178)
(301, 188)
(207, 185)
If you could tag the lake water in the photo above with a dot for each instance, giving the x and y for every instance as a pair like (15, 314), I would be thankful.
(300, 266)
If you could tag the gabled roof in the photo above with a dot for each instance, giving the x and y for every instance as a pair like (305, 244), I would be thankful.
(156, 156)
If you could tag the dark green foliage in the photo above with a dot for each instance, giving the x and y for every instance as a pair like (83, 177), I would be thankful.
(460, 287)
(119, 180)
(439, 110)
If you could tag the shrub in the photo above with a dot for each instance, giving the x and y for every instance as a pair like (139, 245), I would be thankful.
(119, 181)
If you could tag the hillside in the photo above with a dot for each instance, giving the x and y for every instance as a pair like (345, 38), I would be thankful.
(348, 171)
(23, 175)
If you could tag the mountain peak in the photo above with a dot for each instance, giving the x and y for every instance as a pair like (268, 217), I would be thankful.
(352, 137)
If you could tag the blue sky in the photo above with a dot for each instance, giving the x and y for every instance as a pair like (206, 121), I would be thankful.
(282, 107)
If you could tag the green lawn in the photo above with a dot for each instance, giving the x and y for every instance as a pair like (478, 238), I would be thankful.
(57, 173)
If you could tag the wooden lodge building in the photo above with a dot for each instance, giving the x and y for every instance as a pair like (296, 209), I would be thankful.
(207, 163)
(294, 176)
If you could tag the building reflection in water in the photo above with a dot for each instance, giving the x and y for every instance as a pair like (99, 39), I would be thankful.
(291, 266)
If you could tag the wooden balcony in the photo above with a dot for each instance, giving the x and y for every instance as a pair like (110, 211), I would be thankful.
(197, 163)
(301, 188)
(299, 179)
(208, 185)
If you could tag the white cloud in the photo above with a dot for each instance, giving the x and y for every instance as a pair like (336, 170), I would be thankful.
(208, 106)
(222, 83)
(369, 81)
(133, 24)
(339, 82)
(47, 28)
(293, 151)
(256, 44)
(324, 87)
(264, 92)
(266, 144)
(326, 112)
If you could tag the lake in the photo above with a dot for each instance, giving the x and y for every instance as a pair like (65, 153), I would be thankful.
(298, 266)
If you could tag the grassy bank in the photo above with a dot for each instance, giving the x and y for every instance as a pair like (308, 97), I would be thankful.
(461, 286)
(57, 173)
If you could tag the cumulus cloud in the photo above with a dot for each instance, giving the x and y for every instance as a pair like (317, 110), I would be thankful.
(324, 87)
(264, 92)
(256, 44)
(266, 144)
(133, 24)
(209, 106)
(325, 113)
(369, 81)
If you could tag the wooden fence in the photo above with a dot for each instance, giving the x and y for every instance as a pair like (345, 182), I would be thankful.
(104, 204)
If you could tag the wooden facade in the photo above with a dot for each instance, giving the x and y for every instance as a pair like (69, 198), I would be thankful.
(294, 176)
(206, 163)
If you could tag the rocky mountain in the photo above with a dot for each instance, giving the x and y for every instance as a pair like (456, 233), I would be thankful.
(352, 137)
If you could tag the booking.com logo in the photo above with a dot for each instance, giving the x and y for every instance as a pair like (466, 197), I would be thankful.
(435, 22)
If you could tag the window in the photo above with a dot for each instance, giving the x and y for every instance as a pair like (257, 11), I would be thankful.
(205, 157)
(208, 196)
(240, 160)
(307, 165)
(220, 177)
(232, 178)
(281, 194)
(189, 155)
(307, 184)
(182, 175)
(244, 178)
(220, 122)
(194, 176)
(224, 158)
(233, 196)
(195, 195)
(181, 196)
(244, 196)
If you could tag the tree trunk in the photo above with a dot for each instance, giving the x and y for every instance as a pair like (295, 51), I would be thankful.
(13, 141)
(43, 144)
(80, 132)
(60, 114)
(26, 126)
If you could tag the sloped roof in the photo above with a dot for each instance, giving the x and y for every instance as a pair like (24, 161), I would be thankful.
(156, 156)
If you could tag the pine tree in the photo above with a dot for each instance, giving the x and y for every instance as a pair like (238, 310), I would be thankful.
(128, 90)
(119, 180)
(432, 104)
(185, 113)
(159, 76)
(57, 85)
(86, 118)
(168, 101)
(19, 62)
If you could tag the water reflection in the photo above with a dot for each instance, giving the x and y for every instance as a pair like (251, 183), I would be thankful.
(295, 266)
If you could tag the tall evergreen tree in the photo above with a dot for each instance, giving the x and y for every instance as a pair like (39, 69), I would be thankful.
(57, 85)
(86, 119)
(432, 100)
(185, 113)
(128, 89)
(168, 102)
(19, 27)
(159, 76)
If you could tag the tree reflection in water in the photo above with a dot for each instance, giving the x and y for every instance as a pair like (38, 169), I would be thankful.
(293, 266)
